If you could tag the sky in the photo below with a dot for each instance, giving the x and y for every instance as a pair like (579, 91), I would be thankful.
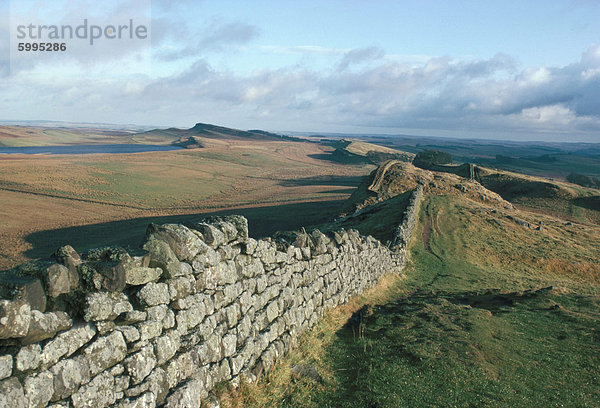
(520, 70)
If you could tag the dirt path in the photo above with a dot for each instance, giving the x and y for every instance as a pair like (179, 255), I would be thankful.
(427, 231)
(379, 176)
(434, 222)
(429, 223)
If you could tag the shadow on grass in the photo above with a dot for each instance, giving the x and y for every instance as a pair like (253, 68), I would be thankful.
(591, 203)
(130, 234)
(350, 181)
(338, 191)
(324, 156)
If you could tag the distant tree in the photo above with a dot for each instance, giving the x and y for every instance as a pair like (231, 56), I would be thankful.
(545, 158)
(582, 180)
(503, 159)
(429, 158)
(376, 157)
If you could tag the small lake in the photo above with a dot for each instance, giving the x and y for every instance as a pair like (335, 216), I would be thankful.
(87, 149)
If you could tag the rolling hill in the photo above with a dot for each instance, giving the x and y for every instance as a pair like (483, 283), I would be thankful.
(357, 151)
(202, 133)
(74, 134)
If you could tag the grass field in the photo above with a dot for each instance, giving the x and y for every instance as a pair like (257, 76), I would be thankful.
(54, 193)
(15, 136)
(468, 326)
(560, 166)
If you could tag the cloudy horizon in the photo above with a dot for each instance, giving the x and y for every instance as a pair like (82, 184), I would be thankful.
(461, 69)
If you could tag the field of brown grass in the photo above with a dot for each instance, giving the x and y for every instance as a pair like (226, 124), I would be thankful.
(15, 136)
(50, 192)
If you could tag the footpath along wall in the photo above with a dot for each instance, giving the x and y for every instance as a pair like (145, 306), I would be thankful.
(205, 304)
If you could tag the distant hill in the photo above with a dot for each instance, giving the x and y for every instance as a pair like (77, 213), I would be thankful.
(355, 151)
(546, 159)
(193, 137)
(159, 136)
(213, 131)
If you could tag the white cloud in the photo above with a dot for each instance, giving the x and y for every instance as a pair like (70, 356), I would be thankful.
(549, 115)
(537, 76)
(4, 39)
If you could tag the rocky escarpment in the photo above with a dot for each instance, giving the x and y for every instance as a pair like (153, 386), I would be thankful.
(204, 304)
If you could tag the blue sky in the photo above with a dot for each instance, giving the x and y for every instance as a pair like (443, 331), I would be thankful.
(498, 69)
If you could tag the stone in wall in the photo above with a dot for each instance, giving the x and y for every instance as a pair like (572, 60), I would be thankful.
(205, 304)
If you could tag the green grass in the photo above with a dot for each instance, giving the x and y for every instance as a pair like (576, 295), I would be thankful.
(376, 220)
(563, 200)
(434, 349)
(463, 329)
(145, 186)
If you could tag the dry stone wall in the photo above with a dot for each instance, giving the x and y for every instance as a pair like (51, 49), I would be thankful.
(205, 304)
(404, 231)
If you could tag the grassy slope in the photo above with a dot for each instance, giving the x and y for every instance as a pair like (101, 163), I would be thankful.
(374, 220)
(158, 136)
(363, 148)
(354, 151)
(541, 195)
(562, 199)
(461, 328)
